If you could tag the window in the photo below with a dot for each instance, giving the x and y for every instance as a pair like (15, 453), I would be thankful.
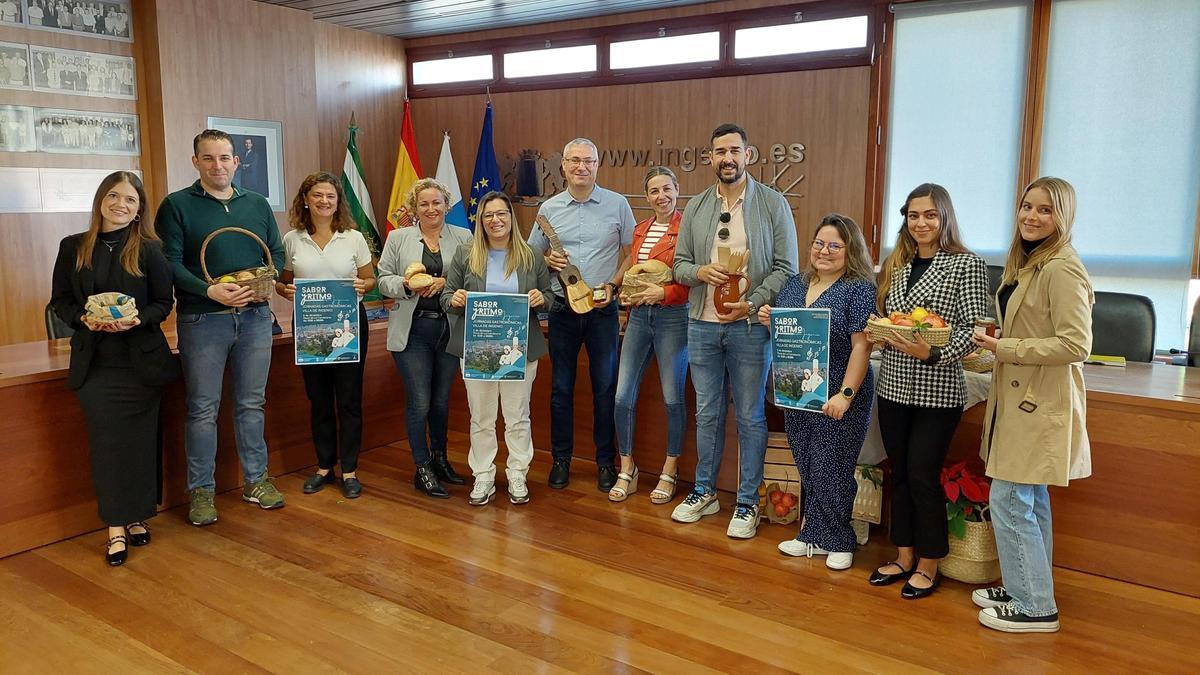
(554, 61)
(662, 51)
(1122, 124)
(460, 69)
(801, 38)
(957, 99)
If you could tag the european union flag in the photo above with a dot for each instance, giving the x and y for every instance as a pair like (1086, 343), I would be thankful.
(487, 173)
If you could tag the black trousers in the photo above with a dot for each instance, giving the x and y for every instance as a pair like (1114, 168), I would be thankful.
(335, 398)
(122, 422)
(916, 440)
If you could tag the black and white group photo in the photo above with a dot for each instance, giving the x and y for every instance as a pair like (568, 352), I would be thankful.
(75, 132)
(101, 18)
(16, 128)
(74, 72)
(14, 66)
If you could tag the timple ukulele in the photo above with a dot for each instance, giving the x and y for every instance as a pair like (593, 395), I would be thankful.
(578, 293)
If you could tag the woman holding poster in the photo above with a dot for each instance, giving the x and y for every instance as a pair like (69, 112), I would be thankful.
(495, 261)
(323, 244)
(825, 444)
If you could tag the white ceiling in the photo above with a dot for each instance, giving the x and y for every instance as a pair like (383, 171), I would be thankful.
(421, 18)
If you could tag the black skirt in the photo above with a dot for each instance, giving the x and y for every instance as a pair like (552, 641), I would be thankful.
(123, 430)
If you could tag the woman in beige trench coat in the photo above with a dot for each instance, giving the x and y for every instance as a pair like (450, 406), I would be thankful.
(1034, 435)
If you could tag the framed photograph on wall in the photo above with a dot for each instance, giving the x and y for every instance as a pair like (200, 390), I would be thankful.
(11, 11)
(14, 66)
(105, 19)
(78, 132)
(16, 128)
(65, 71)
(258, 145)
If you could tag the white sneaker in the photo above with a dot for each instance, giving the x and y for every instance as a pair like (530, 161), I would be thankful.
(839, 560)
(744, 522)
(695, 506)
(990, 597)
(518, 491)
(482, 492)
(795, 548)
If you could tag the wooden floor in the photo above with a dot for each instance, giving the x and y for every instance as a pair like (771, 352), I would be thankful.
(396, 582)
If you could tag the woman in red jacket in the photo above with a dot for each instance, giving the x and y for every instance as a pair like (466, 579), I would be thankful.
(657, 326)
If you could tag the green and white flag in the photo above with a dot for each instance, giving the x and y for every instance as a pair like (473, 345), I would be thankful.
(359, 202)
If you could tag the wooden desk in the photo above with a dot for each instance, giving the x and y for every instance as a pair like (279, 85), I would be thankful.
(48, 495)
(1137, 518)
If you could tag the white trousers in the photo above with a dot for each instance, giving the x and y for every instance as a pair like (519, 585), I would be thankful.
(514, 402)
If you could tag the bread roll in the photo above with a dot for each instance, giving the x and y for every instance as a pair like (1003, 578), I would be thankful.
(413, 268)
(420, 280)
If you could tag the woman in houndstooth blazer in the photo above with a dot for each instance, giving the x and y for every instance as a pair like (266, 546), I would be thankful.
(921, 391)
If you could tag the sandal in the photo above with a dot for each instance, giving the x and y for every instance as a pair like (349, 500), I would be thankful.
(660, 496)
(620, 494)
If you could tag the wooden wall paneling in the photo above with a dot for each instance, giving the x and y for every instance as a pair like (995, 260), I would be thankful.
(361, 73)
(824, 110)
(31, 239)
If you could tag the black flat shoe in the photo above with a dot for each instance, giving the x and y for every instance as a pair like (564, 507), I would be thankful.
(606, 477)
(316, 482)
(115, 558)
(910, 592)
(138, 538)
(351, 488)
(881, 579)
(560, 473)
(445, 471)
(426, 481)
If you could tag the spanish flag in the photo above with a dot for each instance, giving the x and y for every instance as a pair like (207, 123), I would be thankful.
(408, 171)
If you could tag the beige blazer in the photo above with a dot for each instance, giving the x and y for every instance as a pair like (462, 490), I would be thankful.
(403, 247)
(1034, 428)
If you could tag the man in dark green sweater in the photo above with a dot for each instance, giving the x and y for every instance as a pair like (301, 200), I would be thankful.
(219, 323)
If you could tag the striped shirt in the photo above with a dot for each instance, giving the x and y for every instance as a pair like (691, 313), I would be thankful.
(655, 234)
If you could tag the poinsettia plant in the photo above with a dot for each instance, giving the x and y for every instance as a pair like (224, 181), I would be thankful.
(966, 497)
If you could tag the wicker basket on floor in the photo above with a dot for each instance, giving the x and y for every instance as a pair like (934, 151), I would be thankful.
(973, 559)
(263, 281)
(937, 337)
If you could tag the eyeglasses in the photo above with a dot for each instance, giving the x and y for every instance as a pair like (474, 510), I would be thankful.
(492, 215)
(833, 246)
(576, 161)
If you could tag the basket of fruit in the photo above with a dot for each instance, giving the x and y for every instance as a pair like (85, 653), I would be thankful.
(261, 280)
(932, 327)
(783, 502)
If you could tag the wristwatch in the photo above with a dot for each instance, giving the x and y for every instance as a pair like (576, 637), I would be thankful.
(848, 392)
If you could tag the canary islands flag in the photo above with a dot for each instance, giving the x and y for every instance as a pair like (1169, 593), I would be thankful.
(449, 177)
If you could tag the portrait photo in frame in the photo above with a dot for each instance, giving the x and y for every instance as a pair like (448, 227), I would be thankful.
(258, 145)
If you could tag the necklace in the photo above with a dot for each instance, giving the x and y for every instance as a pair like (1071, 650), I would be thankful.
(110, 246)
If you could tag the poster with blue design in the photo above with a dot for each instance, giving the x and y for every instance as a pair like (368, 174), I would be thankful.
(496, 336)
(800, 353)
(327, 330)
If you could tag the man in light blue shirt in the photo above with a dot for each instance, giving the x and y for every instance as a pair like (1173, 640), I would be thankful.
(595, 228)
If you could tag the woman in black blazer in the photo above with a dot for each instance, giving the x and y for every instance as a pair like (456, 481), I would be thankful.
(118, 369)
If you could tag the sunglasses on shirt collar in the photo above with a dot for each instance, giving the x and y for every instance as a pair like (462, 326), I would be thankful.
(723, 232)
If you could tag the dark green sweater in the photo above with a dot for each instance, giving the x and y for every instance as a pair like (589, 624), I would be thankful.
(186, 217)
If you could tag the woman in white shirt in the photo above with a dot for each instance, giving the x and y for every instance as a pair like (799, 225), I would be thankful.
(323, 244)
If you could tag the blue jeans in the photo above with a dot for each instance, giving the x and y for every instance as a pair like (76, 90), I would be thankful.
(427, 371)
(744, 353)
(661, 332)
(206, 343)
(1025, 541)
(598, 331)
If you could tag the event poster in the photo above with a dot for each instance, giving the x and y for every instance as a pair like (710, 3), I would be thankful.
(496, 336)
(800, 352)
(326, 314)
